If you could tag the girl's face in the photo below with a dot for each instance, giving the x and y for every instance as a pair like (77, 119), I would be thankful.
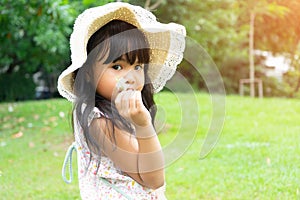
(118, 76)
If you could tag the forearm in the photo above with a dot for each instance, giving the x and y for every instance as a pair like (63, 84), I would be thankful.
(147, 156)
(139, 157)
(150, 157)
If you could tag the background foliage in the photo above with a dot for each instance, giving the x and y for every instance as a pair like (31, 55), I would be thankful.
(222, 27)
(35, 37)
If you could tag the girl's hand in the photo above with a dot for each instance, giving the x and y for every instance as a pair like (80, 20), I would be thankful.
(130, 106)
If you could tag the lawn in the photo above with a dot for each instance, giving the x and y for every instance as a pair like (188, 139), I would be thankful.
(257, 155)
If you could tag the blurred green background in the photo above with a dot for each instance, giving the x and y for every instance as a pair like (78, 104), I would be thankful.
(257, 156)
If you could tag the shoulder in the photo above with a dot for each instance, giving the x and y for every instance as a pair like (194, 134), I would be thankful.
(106, 126)
(103, 129)
(96, 113)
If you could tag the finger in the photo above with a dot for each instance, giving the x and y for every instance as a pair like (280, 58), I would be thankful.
(119, 101)
(127, 101)
(132, 98)
(138, 100)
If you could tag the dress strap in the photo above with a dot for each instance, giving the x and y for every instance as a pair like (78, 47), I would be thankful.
(68, 159)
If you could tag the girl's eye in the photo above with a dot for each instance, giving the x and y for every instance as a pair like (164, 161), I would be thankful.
(138, 67)
(117, 67)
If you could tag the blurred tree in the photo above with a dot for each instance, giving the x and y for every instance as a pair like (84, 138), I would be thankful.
(279, 34)
(222, 29)
(147, 4)
(213, 25)
(253, 9)
(34, 37)
(282, 36)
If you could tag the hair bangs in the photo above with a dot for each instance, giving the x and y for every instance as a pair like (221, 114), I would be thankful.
(131, 43)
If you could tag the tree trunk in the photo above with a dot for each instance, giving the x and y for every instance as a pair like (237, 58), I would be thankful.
(251, 55)
(298, 85)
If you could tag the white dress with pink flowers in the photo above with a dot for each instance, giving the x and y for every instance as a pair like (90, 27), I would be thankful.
(104, 180)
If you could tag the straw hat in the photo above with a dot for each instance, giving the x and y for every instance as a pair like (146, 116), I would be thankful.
(167, 42)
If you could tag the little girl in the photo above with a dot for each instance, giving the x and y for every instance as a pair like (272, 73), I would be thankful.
(120, 57)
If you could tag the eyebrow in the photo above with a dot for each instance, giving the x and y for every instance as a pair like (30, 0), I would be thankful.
(122, 59)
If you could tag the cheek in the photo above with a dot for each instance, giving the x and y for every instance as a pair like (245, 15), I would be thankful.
(141, 81)
(141, 84)
(106, 87)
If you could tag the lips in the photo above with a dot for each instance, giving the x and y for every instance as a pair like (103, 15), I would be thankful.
(125, 89)
(122, 86)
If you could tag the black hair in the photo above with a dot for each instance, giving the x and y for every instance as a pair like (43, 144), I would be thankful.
(109, 43)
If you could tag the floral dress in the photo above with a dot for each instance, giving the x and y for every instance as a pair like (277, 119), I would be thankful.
(105, 180)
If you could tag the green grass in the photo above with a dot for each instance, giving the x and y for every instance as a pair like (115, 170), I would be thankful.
(257, 155)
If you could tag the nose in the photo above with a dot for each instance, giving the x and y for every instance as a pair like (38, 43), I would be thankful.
(130, 77)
